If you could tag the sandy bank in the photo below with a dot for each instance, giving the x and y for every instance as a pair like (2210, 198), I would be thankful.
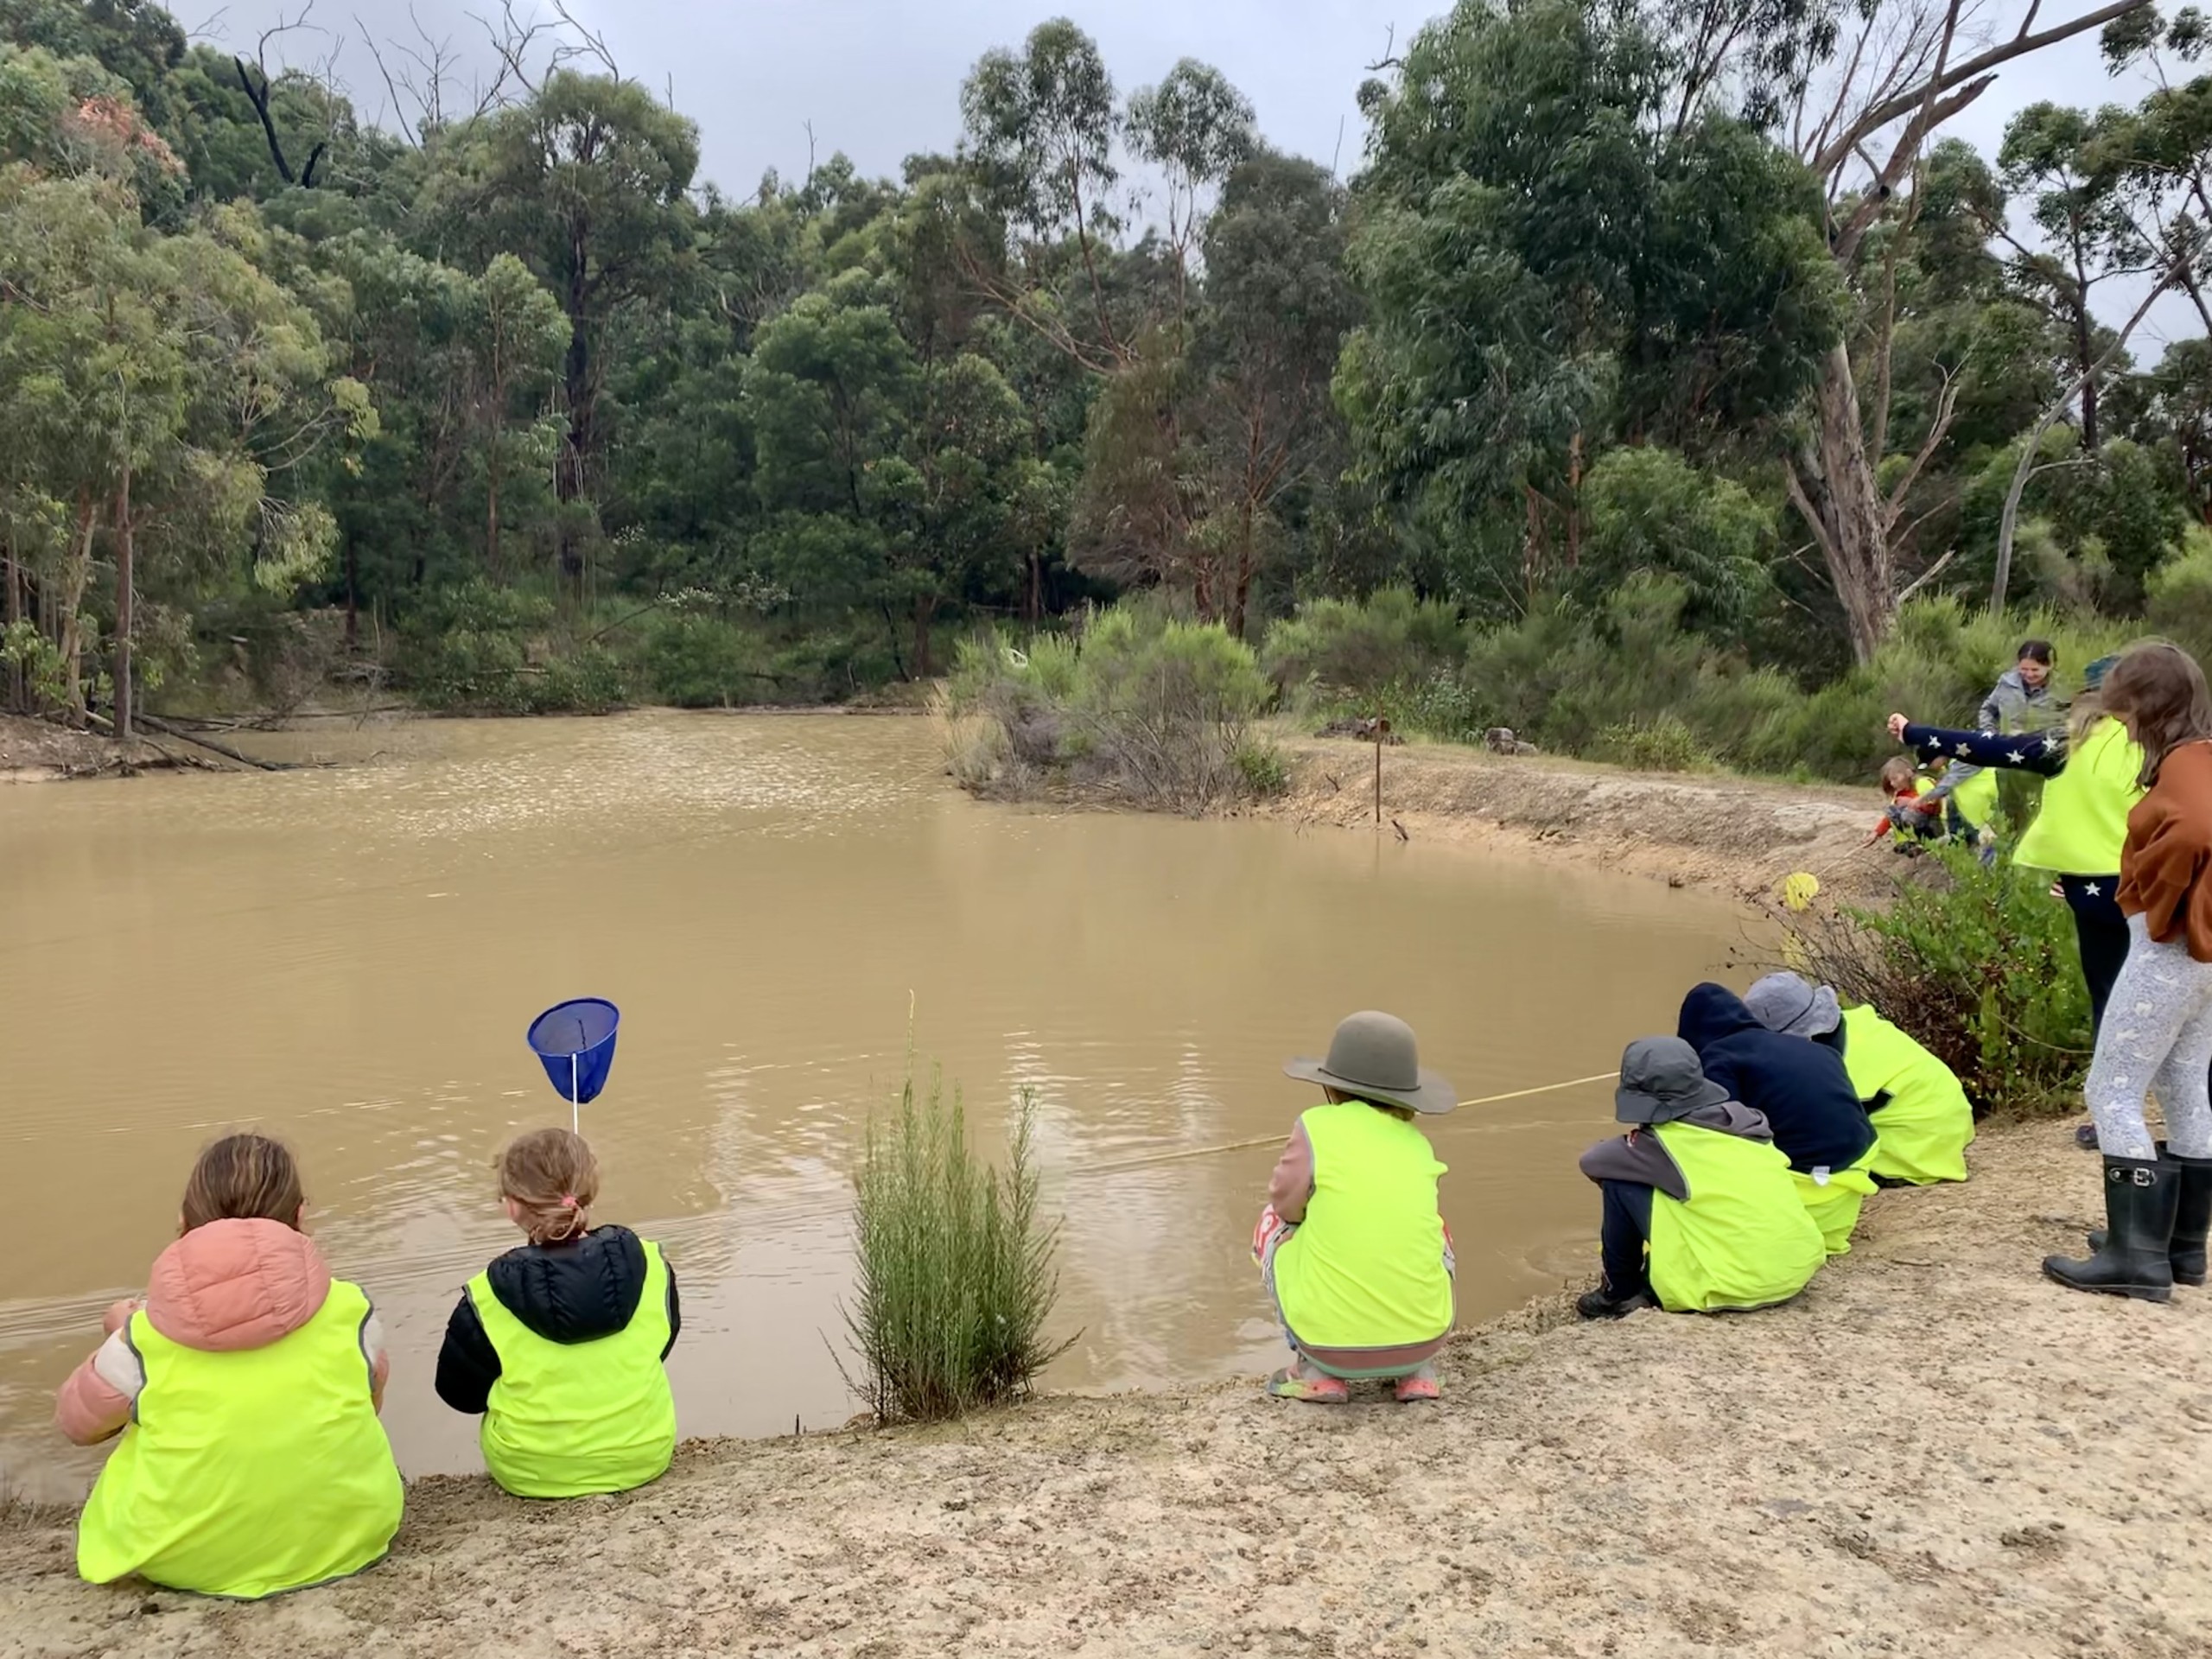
(1932, 1452)
(1737, 835)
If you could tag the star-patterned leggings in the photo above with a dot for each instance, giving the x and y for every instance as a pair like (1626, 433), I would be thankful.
(2156, 1036)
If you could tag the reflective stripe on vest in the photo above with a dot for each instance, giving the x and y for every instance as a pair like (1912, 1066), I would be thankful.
(1365, 1268)
(1742, 1239)
(2083, 823)
(248, 1472)
(1927, 1124)
(570, 1419)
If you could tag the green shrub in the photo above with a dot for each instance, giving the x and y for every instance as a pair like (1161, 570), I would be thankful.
(1165, 705)
(1155, 708)
(467, 647)
(698, 662)
(2178, 597)
(1649, 510)
(955, 1274)
(1603, 688)
(1348, 646)
(592, 681)
(1266, 773)
(1661, 744)
(1439, 704)
(1979, 965)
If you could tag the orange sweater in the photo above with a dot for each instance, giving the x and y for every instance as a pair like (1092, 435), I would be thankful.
(2163, 866)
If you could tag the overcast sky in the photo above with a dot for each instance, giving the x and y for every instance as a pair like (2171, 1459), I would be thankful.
(880, 79)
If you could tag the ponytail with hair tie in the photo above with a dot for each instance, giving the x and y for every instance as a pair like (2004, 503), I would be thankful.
(553, 1177)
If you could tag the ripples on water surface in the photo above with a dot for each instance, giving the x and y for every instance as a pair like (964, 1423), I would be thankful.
(349, 956)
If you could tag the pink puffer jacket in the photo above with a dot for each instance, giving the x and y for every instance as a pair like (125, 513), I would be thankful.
(227, 1286)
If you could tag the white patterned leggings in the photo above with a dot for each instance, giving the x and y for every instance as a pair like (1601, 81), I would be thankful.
(2156, 1036)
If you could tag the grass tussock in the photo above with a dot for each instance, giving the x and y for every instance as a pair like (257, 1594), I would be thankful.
(956, 1268)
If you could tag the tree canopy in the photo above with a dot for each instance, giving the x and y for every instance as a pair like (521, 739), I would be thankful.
(513, 407)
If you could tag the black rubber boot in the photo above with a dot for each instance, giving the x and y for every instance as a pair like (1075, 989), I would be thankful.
(2140, 1200)
(2192, 1218)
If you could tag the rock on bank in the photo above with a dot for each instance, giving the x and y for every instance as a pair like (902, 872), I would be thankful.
(1932, 1452)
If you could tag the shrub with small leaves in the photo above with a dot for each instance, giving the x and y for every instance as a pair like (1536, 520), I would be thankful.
(1979, 965)
(954, 1265)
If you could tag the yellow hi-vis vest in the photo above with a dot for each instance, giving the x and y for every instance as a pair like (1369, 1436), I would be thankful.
(2083, 823)
(1365, 1268)
(570, 1419)
(1742, 1239)
(248, 1472)
(1927, 1124)
(1833, 1203)
(1976, 799)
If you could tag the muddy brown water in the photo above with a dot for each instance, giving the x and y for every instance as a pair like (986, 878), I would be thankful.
(349, 956)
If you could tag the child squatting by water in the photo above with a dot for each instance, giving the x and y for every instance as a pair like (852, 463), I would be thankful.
(1351, 1245)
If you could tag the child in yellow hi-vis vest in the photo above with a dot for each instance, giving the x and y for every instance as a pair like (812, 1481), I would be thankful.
(558, 1344)
(1701, 1214)
(1351, 1245)
(245, 1386)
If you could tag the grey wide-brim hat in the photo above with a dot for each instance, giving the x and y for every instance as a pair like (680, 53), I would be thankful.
(1661, 1081)
(1790, 1005)
(1373, 1056)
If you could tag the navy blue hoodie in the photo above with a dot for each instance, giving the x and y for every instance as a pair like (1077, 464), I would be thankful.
(1801, 1087)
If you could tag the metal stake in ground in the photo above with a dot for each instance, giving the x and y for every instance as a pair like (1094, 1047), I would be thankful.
(1377, 732)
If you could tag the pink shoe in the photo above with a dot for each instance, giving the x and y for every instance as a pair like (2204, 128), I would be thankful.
(1297, 1383)
(1420, 1386)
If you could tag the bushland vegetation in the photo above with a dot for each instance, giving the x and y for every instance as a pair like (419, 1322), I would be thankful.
(1679, 423)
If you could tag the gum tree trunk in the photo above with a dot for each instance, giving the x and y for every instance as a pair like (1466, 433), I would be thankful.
(1834, 487)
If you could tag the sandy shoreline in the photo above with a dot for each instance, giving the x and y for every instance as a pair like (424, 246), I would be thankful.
(1932, 1452)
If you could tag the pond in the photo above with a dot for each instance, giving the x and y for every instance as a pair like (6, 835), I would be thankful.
(348, 958)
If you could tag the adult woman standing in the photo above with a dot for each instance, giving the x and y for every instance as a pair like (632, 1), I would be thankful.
(2157, 1198)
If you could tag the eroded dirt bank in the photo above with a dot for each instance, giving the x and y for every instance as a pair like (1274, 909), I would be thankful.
(1736, 835)
(1932, 1452)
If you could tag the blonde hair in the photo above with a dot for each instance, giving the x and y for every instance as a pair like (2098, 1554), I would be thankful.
(1898, 772)
(552, 1177)
(2089, 709)
(243, 1177)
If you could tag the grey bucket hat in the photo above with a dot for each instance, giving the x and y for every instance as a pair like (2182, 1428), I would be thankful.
(1373, 1056)
(1660, 1081)
(1790, 1005)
